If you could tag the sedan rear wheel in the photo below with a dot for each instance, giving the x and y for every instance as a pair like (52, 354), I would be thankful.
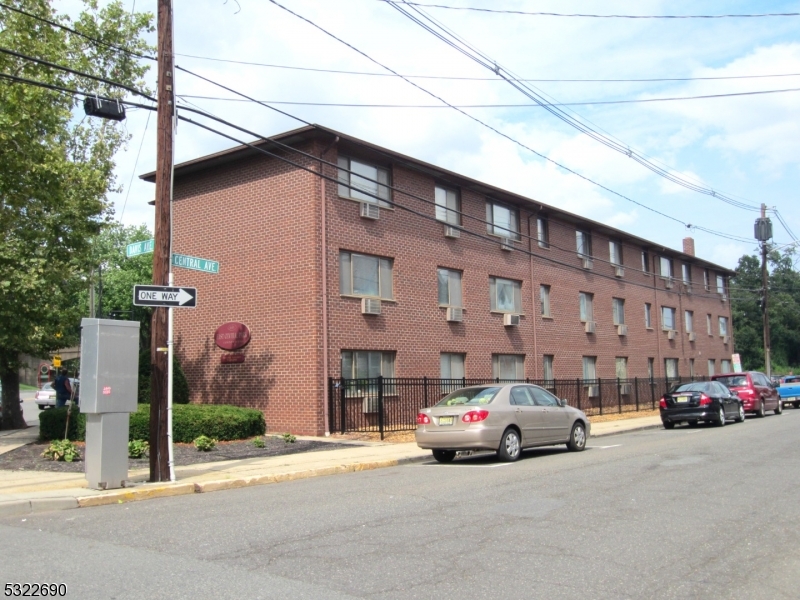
(668, 425)
(760, 412)
(444, 456)
(740, 416)
(721, 417)
(510, 448)
(779, 408)
(577, 439)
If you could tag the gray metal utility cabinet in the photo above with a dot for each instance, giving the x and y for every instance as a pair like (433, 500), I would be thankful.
(109, 381)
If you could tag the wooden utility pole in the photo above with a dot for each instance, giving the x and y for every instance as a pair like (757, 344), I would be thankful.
(159, 461)
(764, 304)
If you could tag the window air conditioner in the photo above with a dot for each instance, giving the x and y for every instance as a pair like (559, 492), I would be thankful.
(619, 272)
(692, 336)
(687, 287)
(593, 391)
(725, 339)
(506, 244)
(510, 320)
(724, 297)
(370, 211)
(369, 404)
(589, 326)
(622, 330)
(625, 389)
(370, 306)
(670, 334)
(451, 232)
(668, 283)
(587, 263)
(455, 315)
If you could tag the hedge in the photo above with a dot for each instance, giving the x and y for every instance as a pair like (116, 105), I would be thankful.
(189, 421)
(180, 385)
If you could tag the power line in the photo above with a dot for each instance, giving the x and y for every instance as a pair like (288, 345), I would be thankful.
(135, 164)
(594, 16)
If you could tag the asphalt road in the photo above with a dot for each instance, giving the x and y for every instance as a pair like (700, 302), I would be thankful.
(689, 513)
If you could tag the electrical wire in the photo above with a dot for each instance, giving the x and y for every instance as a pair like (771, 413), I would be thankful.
(135, 164)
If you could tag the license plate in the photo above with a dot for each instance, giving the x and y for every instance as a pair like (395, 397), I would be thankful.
(445, 421)
(682, 399)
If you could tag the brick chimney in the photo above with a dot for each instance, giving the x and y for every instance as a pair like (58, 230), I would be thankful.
(688, 246)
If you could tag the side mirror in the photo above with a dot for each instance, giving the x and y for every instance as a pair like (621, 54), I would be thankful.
(564, 402)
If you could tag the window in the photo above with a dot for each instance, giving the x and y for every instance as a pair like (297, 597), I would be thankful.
(508, 366)
(689, 320)
(706, 280)
(449, 283)
(544, 299)
(720, 284)
(621, 366)
(618, 310)
(505, 295)
(686, 272)
(547, 367)
(357, 364)
(589, 368)
(651, 367)
(583, 242)
(363, 182)
(543, 232)
(723, 325)
(451, 366)
(667, 318)
(542, 398)
(691, 368)
(615, 252)
(502, 220)
(645, 261)
(648, 315)
(708, 324)
(711, 367)
(587, 308)
(725, 365)
(665, 266)
(671, 368)
(447, 206)
(363, 275)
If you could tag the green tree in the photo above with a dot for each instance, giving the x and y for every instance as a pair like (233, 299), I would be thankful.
(57, 169)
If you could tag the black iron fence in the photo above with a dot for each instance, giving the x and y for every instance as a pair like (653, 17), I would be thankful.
(386, 404)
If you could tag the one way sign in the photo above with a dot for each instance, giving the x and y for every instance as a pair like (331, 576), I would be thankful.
(159, 295)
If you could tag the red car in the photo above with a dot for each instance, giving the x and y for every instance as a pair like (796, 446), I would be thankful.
(755, 389)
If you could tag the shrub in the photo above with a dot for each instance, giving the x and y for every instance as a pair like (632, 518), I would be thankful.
(189, 421)
(62, 450)
(259, 442)
(180, 385)
(138, 448)
(204, 443)
(289, 438)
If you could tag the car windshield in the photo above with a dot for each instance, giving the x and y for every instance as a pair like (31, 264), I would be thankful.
(469, 396)
(733, 380)
(699, 386)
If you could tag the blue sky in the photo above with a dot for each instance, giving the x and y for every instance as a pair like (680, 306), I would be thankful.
(747, 147)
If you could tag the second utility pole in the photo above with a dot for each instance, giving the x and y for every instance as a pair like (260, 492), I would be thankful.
(159, 447)
(764, 305)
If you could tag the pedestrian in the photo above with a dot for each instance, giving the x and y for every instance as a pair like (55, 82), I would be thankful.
(63, 389)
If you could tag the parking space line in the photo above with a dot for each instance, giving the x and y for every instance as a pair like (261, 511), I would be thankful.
(604, 447)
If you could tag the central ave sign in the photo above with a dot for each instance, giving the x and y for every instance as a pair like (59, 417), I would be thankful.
(164, 296)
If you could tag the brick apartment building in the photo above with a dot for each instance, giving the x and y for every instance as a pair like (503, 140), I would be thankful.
(498, 285)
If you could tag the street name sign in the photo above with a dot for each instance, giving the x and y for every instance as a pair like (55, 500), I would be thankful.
(194, 263)
(137, 248)
(164, 296)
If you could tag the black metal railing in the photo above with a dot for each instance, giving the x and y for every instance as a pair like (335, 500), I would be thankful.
(384, 404)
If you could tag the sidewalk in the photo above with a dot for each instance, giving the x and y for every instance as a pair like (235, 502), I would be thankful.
(26, 492)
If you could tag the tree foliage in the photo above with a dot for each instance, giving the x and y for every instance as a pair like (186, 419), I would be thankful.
(57, 169)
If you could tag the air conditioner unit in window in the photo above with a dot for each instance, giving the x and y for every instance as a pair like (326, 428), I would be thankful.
(506, 244)
(622, 330)
(589, 326)
(455, 315)
(668, 283)
(510, 320)
(619, 272)
(370, 306)
(370, 211)
(670, 334)
(625, 389)
(692, 336)
(593, 391)
(369, 404)
(725, 339)
(587, 263)
(724, 297)
(451, 232)
(687, 287)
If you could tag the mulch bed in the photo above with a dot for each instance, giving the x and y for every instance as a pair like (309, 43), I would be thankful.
(28, 458)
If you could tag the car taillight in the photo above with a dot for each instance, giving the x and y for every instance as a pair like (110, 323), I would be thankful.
(704, 400)
(662, 403)
(423, 419)
(474, 416)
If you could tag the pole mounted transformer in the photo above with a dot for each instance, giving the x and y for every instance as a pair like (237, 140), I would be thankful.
(763, 229)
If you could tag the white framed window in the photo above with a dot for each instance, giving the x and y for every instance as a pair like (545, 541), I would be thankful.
(363, 182)
(451, 366)
(448, 206)
(686, 273)
(367, 364)
(667, 318)
(691, 368)
(583, 243)
(544, 300)
(543, 232)
(614, 252)
(502, 220)
(449, 284)
(365, 275)
(708, 325)
(712, 366)
(589, 368)
(586, 303)
(621, 367)
(508, 366)
(665, 266)
(648, 315)
(689, 320)
(671, 368)
(651, 368)
(726, 366)
(706, 280)
(720, 284)
(618, 310)
(645, 261)
(505, 295)
(547, 367)
(723, 325)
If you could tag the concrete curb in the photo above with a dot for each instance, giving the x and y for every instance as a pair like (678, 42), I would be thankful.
(136, 494)
(16, 508)
(641, 428)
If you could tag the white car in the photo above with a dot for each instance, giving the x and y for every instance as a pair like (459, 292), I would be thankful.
(46, 397)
